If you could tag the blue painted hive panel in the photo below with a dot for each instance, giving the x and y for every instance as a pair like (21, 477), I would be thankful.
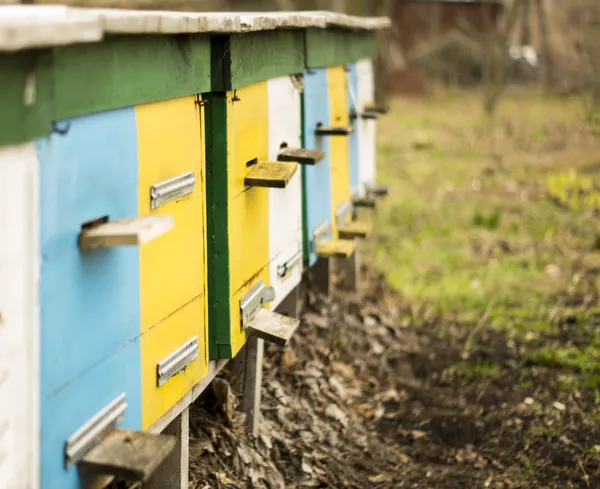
(317, 178)
(90, 302)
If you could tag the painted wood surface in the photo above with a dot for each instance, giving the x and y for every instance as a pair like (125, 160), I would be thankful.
(316, 180)
(90, 302)
(366, 127)
(217, 223)
(41, 86)
(67, 410)
(354, 137)
(240, 60)
(26, 26)
(172, 267)
(340, 161)
(19, 321)
(333, 47)
(285, 206)
(248, 220)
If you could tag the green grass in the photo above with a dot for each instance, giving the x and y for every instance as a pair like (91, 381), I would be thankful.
(494, 220)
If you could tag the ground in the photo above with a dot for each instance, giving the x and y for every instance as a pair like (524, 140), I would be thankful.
(470, 357)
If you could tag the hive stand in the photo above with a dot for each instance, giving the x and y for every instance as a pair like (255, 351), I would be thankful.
(247, 366)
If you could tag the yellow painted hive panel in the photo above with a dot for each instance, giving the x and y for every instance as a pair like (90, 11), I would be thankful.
(339, 154)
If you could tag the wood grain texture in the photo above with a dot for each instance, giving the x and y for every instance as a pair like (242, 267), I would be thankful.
(125, 232)
(273, 327)
(131, 455)
(342, 248)
(269, 174)
(301, 156)
(355, 229)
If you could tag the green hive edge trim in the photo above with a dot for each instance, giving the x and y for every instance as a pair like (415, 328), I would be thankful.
(121, 71)
(334, 47)
(219, 317)
(239, 60)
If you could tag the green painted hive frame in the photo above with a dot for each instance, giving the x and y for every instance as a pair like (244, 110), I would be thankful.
(273, 45)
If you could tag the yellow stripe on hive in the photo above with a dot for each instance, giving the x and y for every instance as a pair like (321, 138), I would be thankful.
(339, 154)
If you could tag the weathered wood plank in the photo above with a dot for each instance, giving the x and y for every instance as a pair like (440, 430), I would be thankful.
(342, 248)
(355, 229)
(375, 109)
(271, 174)
(125, 232)
(172, 473)
(28, 26)
(367, 202)
(131, 455)
(301, 156)
(378, 190)
(273, 327)
(333, 130)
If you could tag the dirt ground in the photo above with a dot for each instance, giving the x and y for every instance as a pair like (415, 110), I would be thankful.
(470, 356)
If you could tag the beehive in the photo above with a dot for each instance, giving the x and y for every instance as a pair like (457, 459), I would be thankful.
(151, 190)
(328, 106)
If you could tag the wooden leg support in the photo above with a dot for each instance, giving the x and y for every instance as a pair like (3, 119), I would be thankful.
(252, 383)
(247, 367)
(319, 277)
(289, 305)
(347, 272)
(173, 472)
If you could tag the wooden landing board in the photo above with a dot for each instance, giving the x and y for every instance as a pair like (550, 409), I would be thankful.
(364, 202)
(271, 174)
(340, 248)
(369, 115)
(273, 327)
(355, 229)
(376, 109)
(334, 130)
(127, 454)
(125, 232)
(301, 155)
(364, 115)
(378, 190)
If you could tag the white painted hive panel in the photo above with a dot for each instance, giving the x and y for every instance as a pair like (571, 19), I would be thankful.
(19, 332)
(285, 206)
(366, 139)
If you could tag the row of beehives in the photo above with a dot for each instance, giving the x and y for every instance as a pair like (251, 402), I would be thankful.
(164, 180)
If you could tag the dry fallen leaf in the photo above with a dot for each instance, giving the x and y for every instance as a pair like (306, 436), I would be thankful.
(380, 478)
(336, 413)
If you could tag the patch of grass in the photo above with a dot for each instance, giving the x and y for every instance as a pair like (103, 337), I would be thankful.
(490, 220)
(585, 360)
(481, 370)
(544, 431)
